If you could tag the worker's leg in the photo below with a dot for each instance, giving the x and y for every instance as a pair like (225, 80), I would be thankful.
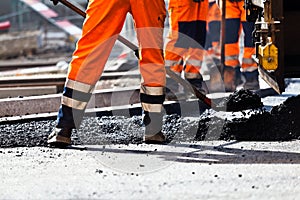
(149, 17)
(212, 44)
(212, 57)
(249, 66)
(195, 28)
(187, 31)
(231, 70)
(99, 33)
(173, 54)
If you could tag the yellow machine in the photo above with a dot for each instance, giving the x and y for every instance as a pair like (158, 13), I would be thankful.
(276, 39)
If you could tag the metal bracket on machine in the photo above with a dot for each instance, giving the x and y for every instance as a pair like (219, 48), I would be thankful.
(268, 45)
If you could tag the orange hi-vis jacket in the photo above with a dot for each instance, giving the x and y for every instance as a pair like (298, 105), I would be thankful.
(104, 21)
(235, 23)
(186, 36)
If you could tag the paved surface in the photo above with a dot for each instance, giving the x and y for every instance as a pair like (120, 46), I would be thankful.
(202, 170)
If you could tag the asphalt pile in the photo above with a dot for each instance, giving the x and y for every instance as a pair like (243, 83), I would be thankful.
(241, 100)
(252, 124)
(279, 124)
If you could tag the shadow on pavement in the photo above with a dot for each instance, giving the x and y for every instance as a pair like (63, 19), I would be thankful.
(219, 154)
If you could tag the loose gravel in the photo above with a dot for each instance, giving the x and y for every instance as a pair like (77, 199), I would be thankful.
(279, 124)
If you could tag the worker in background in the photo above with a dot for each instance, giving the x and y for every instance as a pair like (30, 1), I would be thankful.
(212, 44)
(233, 69)
(99, 33)
(213, 47)
(185, 49)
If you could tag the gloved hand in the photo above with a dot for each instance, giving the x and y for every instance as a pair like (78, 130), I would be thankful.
(55, 2)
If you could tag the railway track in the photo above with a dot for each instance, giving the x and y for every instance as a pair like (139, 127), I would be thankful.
(8, 65)
(106, 102)
(54, 79)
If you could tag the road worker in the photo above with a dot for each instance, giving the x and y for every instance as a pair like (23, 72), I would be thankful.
(213, 32)
(186, 39)
(104, 21)
(212, 57)
(233, 70)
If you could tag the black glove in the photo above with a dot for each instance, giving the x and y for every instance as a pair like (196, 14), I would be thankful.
(55, 2)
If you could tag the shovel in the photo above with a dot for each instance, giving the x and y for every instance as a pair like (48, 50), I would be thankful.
(187, 86)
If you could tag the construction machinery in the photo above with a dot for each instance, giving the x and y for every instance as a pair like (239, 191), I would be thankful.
(276, 39)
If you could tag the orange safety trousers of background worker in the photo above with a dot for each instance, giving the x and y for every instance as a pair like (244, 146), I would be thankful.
(186, 36)
(235, 19)
(104, 21)
(212, 44)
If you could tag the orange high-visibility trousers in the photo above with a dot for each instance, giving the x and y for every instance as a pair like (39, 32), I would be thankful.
(235, 22)
(104, 21)
(213, 26)
(186, 36)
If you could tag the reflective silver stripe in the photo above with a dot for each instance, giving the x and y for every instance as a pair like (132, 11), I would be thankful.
(80, 105)
(178, 73)
(248, 61)
(152, 107)
(189, 75)
(249, 69)
(233, 57)
(169, 63)
(195, 63)
(152, 90)
(82, 87)
(217, 50)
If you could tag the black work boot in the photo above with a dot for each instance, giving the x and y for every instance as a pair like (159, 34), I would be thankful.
(215, 81)
(153, 125)
(251, 80)
(60, 137)
(232, 78)
(199, 84)
(172, 89)
(157, 138)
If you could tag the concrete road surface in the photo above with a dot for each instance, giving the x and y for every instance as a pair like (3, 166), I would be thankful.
(202, 170)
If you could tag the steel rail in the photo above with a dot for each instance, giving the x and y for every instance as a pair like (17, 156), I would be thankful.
(55, 79)
(122, 101)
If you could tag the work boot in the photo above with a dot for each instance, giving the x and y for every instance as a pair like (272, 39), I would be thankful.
(157, 138)
(60, 137)
(199, 84)
(215, 83)
(153, 125)
(251, 80)
(172, 89)
(232, 78)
